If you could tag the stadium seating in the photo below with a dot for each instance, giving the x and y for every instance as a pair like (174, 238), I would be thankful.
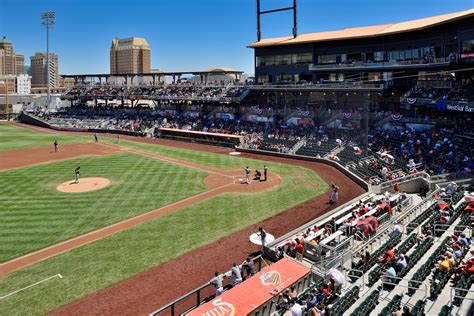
(368, 304)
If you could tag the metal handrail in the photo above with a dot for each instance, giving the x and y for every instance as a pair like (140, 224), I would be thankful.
(362, 276)
(406, 286)
(454, 289)
(387, 184)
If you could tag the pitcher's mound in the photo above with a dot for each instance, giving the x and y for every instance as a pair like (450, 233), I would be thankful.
(84, 185)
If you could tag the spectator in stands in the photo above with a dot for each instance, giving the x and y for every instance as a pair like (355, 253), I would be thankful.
(217, 282)
(296, 309)
(311, 300)
(444, 265)
(292, 293)
(405, 311)
(463, 240)
(283, 302)
(367, 257)
(389, 254)
(401, 263)
(396, 230)
(388, 273)
(334, 287)
(299, 249)
(325, 291)
(451, 188)
(315, 311)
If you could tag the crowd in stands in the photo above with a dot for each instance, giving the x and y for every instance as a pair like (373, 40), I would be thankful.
(462, 93)
(168, 91)
(440, 150)
(430, 93)
(136, 119)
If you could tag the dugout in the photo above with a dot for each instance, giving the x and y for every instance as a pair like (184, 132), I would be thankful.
(256, 295)
(226, 140)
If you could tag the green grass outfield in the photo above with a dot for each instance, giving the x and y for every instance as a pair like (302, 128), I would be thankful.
(34, 214)
(14, 138)
(95, 266)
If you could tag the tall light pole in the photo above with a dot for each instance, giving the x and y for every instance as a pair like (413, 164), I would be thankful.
(48, 21)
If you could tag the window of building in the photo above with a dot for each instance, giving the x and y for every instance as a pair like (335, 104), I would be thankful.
(264, 79)
(468, 46)
(327, 59)
(284, 60)
(306, 58)
(283, 78)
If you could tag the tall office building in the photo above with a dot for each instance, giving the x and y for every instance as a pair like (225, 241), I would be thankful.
(10, 62)
(129, 56)
(38, 64)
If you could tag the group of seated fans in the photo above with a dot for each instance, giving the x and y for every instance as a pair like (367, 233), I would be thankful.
(362, 220)
(442, 150)
(136, 119)
(393, 260)
(459, 94)
(178, 90)
(313, 303)
(452, 255)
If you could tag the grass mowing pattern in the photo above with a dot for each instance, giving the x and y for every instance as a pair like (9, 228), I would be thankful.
(34, 214)
(95, 266)
(15, 138)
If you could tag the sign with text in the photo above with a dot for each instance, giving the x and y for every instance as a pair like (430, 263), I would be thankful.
(254, 292)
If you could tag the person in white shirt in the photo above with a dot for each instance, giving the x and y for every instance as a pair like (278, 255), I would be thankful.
(397, 229)
(296, 310)
(451, 188)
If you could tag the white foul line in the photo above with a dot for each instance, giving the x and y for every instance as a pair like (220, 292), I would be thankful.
(31, 285)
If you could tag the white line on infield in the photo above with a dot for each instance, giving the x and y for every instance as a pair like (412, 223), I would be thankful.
(31, 285)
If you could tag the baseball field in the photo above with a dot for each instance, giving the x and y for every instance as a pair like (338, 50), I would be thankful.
(161, 202)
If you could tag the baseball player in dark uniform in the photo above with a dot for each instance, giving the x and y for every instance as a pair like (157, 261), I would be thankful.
(56, 146)
(77, 172)
(265, 172)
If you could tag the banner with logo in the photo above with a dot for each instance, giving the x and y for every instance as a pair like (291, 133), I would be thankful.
(225, 116)
(396, 117)
(411, 101)
(256, 118)
(254, 292)
(293, 121)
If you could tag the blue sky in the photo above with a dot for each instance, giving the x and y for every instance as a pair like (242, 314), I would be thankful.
(188, 34)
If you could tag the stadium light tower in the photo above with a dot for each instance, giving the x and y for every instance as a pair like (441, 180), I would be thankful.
(48, 21)
(259, 13)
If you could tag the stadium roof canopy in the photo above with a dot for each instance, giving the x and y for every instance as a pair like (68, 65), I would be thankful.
(157, 72)
(365, 31)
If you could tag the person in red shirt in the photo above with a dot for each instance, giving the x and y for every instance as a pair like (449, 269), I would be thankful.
(389, 254)
(299, 250)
